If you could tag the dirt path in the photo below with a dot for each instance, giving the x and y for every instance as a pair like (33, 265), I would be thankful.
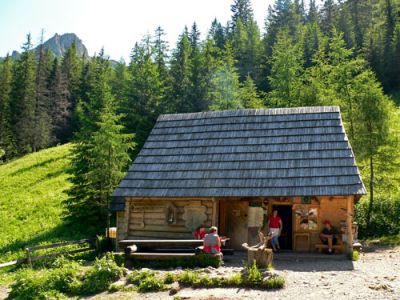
(375, 276)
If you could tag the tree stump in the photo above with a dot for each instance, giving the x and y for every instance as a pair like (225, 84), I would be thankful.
(262, 257)
(259, 253)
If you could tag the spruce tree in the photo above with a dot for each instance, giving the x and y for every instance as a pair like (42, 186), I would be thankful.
(72, 67)
(371, 115)
(59, 96)
(99, 143)
(42, 124)
(181, 70)
(23, 99)
(7, 142)
(145, 93)
(286, 72)
(224, 86)
(248, 94)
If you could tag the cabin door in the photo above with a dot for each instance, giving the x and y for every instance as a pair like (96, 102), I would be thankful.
(285, 212)
(236, 222)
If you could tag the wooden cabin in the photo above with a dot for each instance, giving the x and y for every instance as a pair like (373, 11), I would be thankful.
(232, 168)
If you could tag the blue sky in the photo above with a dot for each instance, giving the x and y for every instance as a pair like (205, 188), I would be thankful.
(116, 24)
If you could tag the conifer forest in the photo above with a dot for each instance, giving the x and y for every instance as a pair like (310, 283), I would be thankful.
(308, 53)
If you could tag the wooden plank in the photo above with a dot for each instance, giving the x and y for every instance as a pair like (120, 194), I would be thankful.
(159, 256)
(160, 228)
(56, 245)
(35, 258)
(12, 263)
(162, 243)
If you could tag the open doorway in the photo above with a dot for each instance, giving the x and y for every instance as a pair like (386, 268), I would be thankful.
(285, 212)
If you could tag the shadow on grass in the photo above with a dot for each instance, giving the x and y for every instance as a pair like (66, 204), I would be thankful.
(63, 232)
(37, 165)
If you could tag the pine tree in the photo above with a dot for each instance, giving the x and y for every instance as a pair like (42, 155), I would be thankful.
(23, 99)
(7, 143)
(286, 71)
(371, 116)
(72, 68)
(224, 86)
(217, 34)
(98, 143)
(245, 39)
(108, 160)
(329, 14)
(248, 94)
(181, 70)
(313, 14)
(145, 93)
(59, 104)
(42, 124)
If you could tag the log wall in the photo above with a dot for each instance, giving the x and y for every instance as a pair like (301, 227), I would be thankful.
(147, 218)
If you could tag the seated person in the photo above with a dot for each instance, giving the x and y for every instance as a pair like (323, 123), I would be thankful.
(200, 232)
(329, 235)
(212, 242)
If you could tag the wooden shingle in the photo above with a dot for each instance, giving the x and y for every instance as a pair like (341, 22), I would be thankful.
(245, 153)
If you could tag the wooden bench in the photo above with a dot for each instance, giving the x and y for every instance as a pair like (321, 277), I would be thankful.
(159, 256)
(163, 249)
(321, 247)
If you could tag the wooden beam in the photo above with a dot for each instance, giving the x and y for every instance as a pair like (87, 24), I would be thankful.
(162, 243)
(159, 256)
(214, 219)
(349, 223)
(126, 217)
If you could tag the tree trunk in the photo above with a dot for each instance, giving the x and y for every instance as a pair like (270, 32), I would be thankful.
(371, 194)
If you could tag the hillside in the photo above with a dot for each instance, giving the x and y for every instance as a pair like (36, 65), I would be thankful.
(32, 190)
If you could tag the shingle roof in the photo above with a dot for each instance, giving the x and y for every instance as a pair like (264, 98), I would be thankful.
(255, 152)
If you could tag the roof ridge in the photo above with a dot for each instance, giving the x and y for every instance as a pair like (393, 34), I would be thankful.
(250, 112)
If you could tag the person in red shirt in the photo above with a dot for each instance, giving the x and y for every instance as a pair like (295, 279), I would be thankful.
(200, 232)
(275, 229)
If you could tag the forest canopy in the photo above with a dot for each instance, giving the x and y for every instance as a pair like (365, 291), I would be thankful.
(344, 53)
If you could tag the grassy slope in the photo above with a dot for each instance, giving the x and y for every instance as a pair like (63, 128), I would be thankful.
(31, 191)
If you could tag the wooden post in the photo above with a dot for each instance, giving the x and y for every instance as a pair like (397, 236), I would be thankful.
(349, 223)
(28, 257)
(126, 217)
(214, 220)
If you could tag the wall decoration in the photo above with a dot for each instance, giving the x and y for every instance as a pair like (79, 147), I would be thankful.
(171, 214)
(306, 218)
(194, 216)
(255, 217)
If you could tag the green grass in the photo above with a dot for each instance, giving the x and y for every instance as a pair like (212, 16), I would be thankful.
(32, 190)
(387, 240)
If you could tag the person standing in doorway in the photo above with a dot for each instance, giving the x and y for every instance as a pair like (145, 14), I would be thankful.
(275, 229)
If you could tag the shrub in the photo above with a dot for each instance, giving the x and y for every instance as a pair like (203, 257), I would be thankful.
(103, 272)
(201, 261)
(151, 284)
(234, 280)
(253, 275)
(137, 276)
(169, 278)
(273, 282)
(188, 278)
(385, 217)
(354, 255)
(30, 284)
